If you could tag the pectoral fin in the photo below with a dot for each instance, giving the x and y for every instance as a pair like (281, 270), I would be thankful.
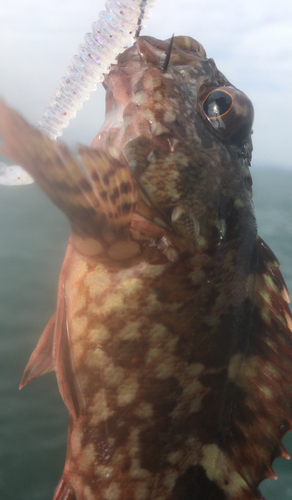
(96, 195)
(53, 352)
(62, 357)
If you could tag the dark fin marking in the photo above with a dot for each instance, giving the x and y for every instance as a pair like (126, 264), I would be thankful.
(41, 360)
(112, 185)
(64, 491)
(103, 192)
(168, 54)
(62, 359)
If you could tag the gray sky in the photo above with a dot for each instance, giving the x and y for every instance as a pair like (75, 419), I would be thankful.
(250, 41)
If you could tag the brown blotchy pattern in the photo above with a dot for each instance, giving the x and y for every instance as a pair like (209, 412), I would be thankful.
(171, 407)
(172, 337)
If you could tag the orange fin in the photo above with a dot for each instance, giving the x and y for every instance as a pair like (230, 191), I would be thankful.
(64, 492)
(112, 184)
(53, 352)
(41, 360)
(62, 358)
(102, 191)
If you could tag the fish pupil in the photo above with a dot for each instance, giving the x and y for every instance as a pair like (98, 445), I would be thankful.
(217, 103)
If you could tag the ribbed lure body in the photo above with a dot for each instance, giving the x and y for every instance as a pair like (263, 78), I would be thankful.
(14, 175)
(171, 340)
(116, 28)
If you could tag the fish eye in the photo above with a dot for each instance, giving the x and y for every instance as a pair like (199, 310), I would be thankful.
(217, 103)
(229, 111)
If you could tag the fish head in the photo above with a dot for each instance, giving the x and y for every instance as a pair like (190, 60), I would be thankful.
(185, 133)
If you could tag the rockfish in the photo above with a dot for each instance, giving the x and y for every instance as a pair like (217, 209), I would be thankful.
(171, 340)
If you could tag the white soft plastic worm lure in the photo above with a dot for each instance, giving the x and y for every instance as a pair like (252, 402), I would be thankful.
(116, 28)
(14, 175)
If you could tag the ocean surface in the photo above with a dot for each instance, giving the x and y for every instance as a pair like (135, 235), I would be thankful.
(33, 422)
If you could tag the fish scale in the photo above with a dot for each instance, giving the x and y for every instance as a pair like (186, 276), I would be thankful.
(171, 340)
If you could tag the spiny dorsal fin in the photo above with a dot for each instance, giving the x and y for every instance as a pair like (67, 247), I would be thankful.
(258, 390)
(101, 195)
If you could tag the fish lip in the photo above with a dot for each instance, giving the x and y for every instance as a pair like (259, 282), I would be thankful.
(150, 51)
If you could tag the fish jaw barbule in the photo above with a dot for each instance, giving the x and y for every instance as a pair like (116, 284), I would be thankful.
(171, 340)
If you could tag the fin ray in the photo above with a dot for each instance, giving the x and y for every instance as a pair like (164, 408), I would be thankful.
(112, 185)
(101, 192)
(64, 492)
(41, 359)
(62, 358)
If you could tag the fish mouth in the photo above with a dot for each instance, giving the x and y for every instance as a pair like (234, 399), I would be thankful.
(150, 52)
(183, 50)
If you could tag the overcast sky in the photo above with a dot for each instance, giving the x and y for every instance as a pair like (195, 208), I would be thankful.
(250, 41)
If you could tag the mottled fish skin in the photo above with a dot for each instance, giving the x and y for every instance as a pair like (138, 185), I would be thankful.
(171, 340)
